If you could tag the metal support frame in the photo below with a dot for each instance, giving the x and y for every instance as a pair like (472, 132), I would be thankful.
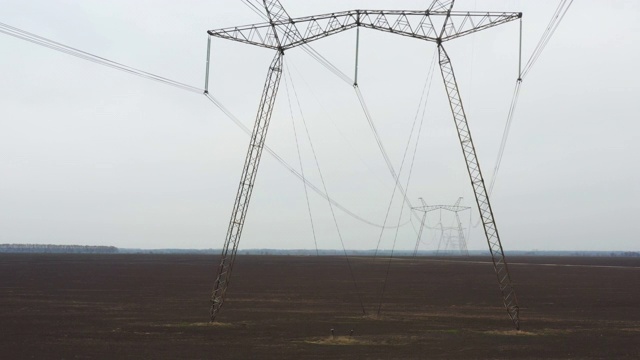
(419, 24)
(282, 32)
(446, 237)
(206, 75)
(247, 180)
(455, 208)
(462, 242)
(477, 182)
(355, 76)
(415, 249)
(520, 54)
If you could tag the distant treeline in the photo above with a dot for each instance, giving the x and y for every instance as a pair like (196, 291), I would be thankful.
(576, 253)
(435, 253)
(336, 252)
(83, 249)
(57, 249)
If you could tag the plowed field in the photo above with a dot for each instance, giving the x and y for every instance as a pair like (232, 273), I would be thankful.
(284, 307)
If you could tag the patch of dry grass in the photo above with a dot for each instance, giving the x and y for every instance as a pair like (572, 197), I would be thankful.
(392, 340)
(340, 341)
(202, 324)
(637, 329)
(511, 333)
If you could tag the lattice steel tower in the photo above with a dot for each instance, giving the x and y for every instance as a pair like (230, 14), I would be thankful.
(460, 242)
(437, 24)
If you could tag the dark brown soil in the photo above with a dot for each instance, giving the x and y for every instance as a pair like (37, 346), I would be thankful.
(156, 306)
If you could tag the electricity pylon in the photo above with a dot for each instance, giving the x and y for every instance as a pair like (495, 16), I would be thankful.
(437, 24)
(451, 242)
(456, 208)
(462, 242)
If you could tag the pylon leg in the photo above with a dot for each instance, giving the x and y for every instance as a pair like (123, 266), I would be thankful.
(245, 188)
(480, 191)
(415, 250)
(462, 242)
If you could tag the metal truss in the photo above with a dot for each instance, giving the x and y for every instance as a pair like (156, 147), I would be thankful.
(247, 180)
(482, 199)
(456, 208)
(462, 242)
(450, 241)
(420, 24)
(424, 218)
(436, 24)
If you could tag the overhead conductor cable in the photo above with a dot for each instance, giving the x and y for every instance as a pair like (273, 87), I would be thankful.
(53, 45)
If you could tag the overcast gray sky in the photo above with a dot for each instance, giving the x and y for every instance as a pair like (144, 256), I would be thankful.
(90, 155)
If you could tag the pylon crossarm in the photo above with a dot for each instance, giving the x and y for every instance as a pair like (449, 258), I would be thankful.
(482, 199)
(463, 23)
(419, 24)
(429, 208)
(247, 180)
(424, 25)
(307, 29)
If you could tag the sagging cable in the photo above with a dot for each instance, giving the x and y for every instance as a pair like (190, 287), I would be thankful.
(48, 43)
(292, 170)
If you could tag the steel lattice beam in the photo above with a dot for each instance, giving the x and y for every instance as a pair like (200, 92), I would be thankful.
(415, 249)
(247, 180)
(424, 218)
(428, 208)
(420, 24)
(479, 188)
(462, 242)
(455, 208)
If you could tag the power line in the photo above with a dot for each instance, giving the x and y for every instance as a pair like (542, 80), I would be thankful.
(42, 41)
(254, 8)
(427, 85)
(558, 15)
(53, 45)
(347, 139)
(307, 48)
(505, 134)
(383, 151)
(295, 134)
(333, 214)
(292, 170)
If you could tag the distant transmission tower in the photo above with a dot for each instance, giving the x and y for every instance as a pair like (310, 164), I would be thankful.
(437, 24)
(451, 241)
